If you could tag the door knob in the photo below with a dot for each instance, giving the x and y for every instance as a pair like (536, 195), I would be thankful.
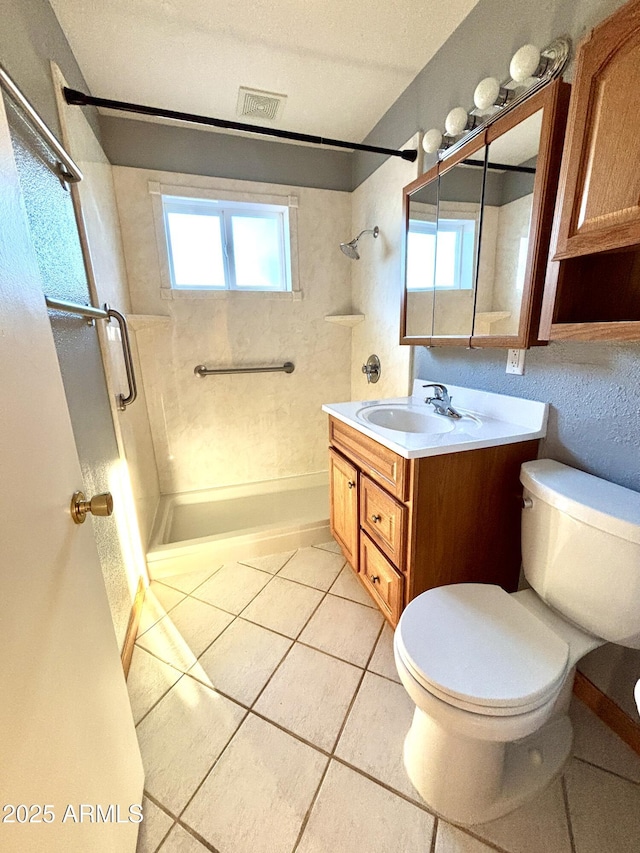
(351, 484)
(97, 505)
(376, 518)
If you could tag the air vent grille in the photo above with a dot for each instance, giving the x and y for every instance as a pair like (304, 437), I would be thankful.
(257, 104)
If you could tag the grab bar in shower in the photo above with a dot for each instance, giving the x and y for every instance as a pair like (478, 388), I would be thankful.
(202, 371)
(106, 313)
(68, 169)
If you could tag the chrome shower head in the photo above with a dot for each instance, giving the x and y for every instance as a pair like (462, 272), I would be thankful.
(350, 249)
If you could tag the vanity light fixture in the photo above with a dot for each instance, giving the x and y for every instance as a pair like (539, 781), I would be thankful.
(530, 70)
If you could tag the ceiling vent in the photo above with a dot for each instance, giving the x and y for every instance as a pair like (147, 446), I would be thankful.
(257, 104)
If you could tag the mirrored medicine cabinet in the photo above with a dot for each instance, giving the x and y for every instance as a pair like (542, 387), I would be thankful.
(477, 231)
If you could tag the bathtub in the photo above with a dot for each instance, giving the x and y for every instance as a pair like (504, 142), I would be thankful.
(196, 530)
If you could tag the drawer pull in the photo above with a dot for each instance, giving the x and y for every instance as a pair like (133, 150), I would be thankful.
(375, 579)
(376, 518)
(351, 484)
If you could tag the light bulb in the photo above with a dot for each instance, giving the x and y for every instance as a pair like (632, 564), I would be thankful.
(432, 140)
(487, 93)
(524, 63)
(456, 122)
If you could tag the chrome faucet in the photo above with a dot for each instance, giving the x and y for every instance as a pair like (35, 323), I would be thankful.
(441, 401)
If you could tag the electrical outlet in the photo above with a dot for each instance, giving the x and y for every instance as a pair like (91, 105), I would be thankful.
(515, 361)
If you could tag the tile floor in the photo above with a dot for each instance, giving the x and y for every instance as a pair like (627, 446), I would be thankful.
(271, 720)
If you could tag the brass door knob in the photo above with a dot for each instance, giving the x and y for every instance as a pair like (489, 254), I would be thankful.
(98, 505)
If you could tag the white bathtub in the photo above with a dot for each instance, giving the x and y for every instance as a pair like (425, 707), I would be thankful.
(196, 530)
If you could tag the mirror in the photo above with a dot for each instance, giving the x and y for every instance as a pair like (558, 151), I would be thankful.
(421, 259)
(460, 191)
(506, 223)
(478, 226)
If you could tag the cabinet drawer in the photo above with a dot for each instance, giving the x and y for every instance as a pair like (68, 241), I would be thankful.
(384, 519)
(381, 579)
(381, 464)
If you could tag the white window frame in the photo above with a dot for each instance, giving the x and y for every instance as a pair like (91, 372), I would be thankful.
(465, 243)
(251, 202)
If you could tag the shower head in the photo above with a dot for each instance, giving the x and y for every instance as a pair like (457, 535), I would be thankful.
(351, 248)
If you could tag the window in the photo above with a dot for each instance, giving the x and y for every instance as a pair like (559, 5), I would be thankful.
(224, 245)
(447, 249)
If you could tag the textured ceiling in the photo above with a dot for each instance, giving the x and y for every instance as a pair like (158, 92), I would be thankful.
(341, 65)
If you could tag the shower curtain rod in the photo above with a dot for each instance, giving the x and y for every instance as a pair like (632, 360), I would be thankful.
(76, 98)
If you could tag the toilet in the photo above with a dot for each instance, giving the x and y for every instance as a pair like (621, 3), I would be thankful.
(491, 673)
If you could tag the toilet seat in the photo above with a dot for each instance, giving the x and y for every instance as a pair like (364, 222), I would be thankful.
(477, 648)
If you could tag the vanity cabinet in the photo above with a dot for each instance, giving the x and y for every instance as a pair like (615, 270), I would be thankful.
(407, 525)
(593, 281)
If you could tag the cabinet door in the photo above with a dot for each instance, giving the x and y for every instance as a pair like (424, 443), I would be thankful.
(343, 489)
(599, 194)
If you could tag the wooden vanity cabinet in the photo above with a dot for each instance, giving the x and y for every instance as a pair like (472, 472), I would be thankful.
(592, 289)
(453, 518)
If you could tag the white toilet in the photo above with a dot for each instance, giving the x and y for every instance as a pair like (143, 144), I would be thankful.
(491, 673)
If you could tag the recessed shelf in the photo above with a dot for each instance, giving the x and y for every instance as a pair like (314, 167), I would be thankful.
(345, 319)
(147, 321)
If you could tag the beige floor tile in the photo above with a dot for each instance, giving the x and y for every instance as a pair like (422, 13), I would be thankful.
(149, 678)
(154, 827)
(283, 606)
(242, 660)
(272, 563)
(158, 600)
(597, 744)
(373, 736)
(539, 826)
(182, 636)
(604, 810)
(188, 581)
(354, 815)
(344, 629)
(331, 546)
(313, 567)
(181, 841)
(310, 695)
(182, 737)
(347, 585)
(382, 661)
(233, 587)
(256, 797)
(450, 839)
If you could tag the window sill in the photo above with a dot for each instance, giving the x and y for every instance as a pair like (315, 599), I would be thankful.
(287, 296)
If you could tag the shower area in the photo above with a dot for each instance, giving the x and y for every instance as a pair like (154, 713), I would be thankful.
(234, 461)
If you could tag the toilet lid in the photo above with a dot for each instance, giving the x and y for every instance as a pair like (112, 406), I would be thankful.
(476, 645)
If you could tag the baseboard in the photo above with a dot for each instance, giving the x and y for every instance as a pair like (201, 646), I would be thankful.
(606, 709)
(132, 628)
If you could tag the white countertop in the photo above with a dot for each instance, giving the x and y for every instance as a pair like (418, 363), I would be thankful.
(488, 420)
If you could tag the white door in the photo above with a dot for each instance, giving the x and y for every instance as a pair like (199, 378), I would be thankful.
(67, 739)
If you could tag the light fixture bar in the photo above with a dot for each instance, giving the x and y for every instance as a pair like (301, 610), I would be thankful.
(76, 98)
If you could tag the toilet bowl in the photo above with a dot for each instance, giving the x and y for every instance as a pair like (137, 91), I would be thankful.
(491, 673)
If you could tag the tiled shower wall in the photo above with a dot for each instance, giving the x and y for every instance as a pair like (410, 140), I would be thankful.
(226, 430)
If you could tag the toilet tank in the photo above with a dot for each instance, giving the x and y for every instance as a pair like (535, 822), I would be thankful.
(581, 548)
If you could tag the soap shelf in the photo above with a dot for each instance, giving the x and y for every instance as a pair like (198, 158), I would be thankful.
(345, 319)
(147, 321)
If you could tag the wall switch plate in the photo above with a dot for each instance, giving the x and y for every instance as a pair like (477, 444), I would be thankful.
(515, 361)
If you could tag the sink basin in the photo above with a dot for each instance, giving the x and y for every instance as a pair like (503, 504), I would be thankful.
(406, 418)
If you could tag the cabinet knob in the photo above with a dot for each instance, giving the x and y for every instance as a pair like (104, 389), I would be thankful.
(375, 579)
(351, 484)
(376, 518)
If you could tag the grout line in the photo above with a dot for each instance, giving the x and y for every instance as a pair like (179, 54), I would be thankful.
(434, 835)
(203, 841)
(294, 552)
(606, 770)
(165, 611)
(565, 797)
(305, 820)
(157, 702)
(421, 805)
(159, 805)
(485, 841)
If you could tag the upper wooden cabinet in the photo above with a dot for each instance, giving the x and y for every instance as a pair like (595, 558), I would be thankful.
(477, 231)
(599, 197)
(592, 290)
